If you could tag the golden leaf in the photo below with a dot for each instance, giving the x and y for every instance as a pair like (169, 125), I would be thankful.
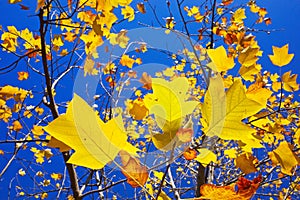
(220, 60)
(222, 115)
(79, 127)
(169, 107)
(280, 56)
(290, 82)
(284, 155)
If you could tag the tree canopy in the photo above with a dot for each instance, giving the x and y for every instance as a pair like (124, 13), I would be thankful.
(126, 99)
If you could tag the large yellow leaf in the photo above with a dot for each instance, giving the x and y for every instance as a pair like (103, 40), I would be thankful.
(221, 62)
(169, 106)
(281, 56)
(95, 143)
(222, 115)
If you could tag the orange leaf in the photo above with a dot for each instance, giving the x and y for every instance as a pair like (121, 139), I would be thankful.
(141, 7)
(135, 173)
(17, 126)
(126, 61)
(190, 154)
(23, 76)
(213, 192)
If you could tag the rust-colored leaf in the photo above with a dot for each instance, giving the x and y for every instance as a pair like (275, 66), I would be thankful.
(246, 163)
(135, 173)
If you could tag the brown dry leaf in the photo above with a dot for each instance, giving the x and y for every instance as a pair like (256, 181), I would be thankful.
(137, 109)
(146, 80)
(246, 163)
(247, 188)
(135, 173)
(55, 143)
(141, 8)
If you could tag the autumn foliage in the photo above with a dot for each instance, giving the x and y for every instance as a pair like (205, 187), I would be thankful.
(121, 99)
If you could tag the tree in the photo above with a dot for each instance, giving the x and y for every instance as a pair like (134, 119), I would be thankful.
(122, 99)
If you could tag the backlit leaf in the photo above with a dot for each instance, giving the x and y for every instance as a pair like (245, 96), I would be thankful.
(221, 62)
(169, 106)
(280, 56)
(284, 155)
(79, 127)
(23, 76)
(290, 82)
(222, 115)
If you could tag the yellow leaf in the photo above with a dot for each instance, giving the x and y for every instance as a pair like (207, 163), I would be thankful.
(127, 61)
(222, 115)
(280, 56)
(231, 153)
(287, 159)
(137, 109)
(248, 73)
(220, 60)
(56, 176)
(37, 130)
(22, 172)
(17, 126)
(79, 127)
(206, 156)
(57, 41)
(89, 66)
(23, 76)
(121, 38)
(169, 107)
(258, 93)
(39, 110)
(14, 1)
(128, 13)
(158, 175)
(239, 15)
(290, 82)
(248, 56)
(169, 72)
